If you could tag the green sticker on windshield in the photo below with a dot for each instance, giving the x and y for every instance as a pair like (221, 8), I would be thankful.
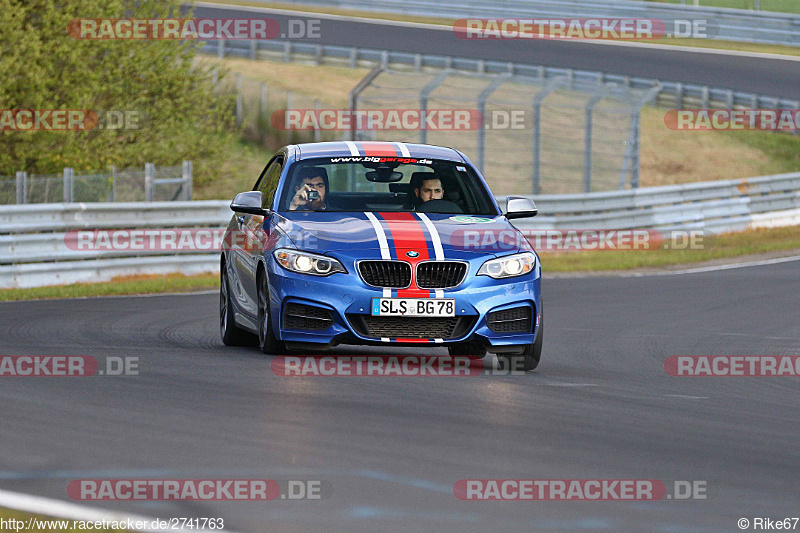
(470, 220)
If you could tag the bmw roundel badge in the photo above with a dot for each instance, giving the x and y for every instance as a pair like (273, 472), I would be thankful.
(412, 253)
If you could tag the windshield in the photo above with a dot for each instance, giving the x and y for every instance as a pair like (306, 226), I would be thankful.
(385, 184)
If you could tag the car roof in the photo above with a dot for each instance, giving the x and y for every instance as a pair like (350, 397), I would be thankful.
(376, 148)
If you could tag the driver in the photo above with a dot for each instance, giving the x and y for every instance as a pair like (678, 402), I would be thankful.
(313, 183)
(429, 189)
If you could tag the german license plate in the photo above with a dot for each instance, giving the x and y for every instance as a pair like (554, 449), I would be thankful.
(413, 307)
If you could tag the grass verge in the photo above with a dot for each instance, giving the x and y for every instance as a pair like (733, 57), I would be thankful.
(728, 246)
(118, 286)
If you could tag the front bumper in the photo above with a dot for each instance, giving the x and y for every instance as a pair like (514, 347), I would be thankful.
(347, 299)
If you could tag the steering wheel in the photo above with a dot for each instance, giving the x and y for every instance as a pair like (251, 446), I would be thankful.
(439, 206)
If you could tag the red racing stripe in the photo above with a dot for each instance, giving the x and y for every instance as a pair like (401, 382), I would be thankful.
(407, 233)
(378, 149)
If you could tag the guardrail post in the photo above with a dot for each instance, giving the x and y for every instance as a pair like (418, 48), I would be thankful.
(220, 48)
(253, 48)
(149, 176)
(353, 57)
(482, 97)
(22, 187)
(238, 99)
(287, 51)
(187, 180)
(69, 188)
(318, 55)
(678, 95)
(423, 102)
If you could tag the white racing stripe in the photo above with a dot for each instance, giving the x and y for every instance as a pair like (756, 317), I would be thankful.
(353, 148)
(403, 149)
(382, 242)
(385, 339)
(439, 293)
(435, 239)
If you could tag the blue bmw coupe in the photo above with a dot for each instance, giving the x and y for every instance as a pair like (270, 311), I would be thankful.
(379, 243)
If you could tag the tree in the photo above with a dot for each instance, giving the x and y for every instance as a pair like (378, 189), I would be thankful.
(179, 114)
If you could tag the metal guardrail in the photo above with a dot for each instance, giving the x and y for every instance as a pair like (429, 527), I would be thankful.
(34, 251)
(739, 25)
(672, 93)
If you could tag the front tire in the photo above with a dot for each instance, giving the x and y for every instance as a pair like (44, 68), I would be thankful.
(231, 334)
(268, 343)
(530, 357)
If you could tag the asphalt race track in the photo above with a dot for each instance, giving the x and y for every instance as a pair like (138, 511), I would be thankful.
(600, 406)
(775, 77)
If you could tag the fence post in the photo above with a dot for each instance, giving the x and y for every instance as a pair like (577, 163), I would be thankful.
(113, 183)
(69, 189)
(286, 117)
(482, 98)
(423, 102)
(149, 175)
(22, 187)
(317, 107)
(238, 99)
(352, 98)
(187, 180)
(587, 143)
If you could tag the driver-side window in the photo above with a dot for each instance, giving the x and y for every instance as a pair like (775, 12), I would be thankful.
(268, 182)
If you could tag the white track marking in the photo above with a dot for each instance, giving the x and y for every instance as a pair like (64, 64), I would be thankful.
(697, 270)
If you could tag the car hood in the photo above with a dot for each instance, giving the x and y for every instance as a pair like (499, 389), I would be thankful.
(460, 236)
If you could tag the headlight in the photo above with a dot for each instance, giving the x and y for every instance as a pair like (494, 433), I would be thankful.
(306, 263)
(509, 267)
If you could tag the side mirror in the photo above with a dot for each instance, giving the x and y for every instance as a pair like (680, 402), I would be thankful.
(249, 202)
(519, 207)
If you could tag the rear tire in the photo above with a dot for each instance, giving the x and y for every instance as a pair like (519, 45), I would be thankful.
(530, 357)
(232, 335)
(268, 343)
